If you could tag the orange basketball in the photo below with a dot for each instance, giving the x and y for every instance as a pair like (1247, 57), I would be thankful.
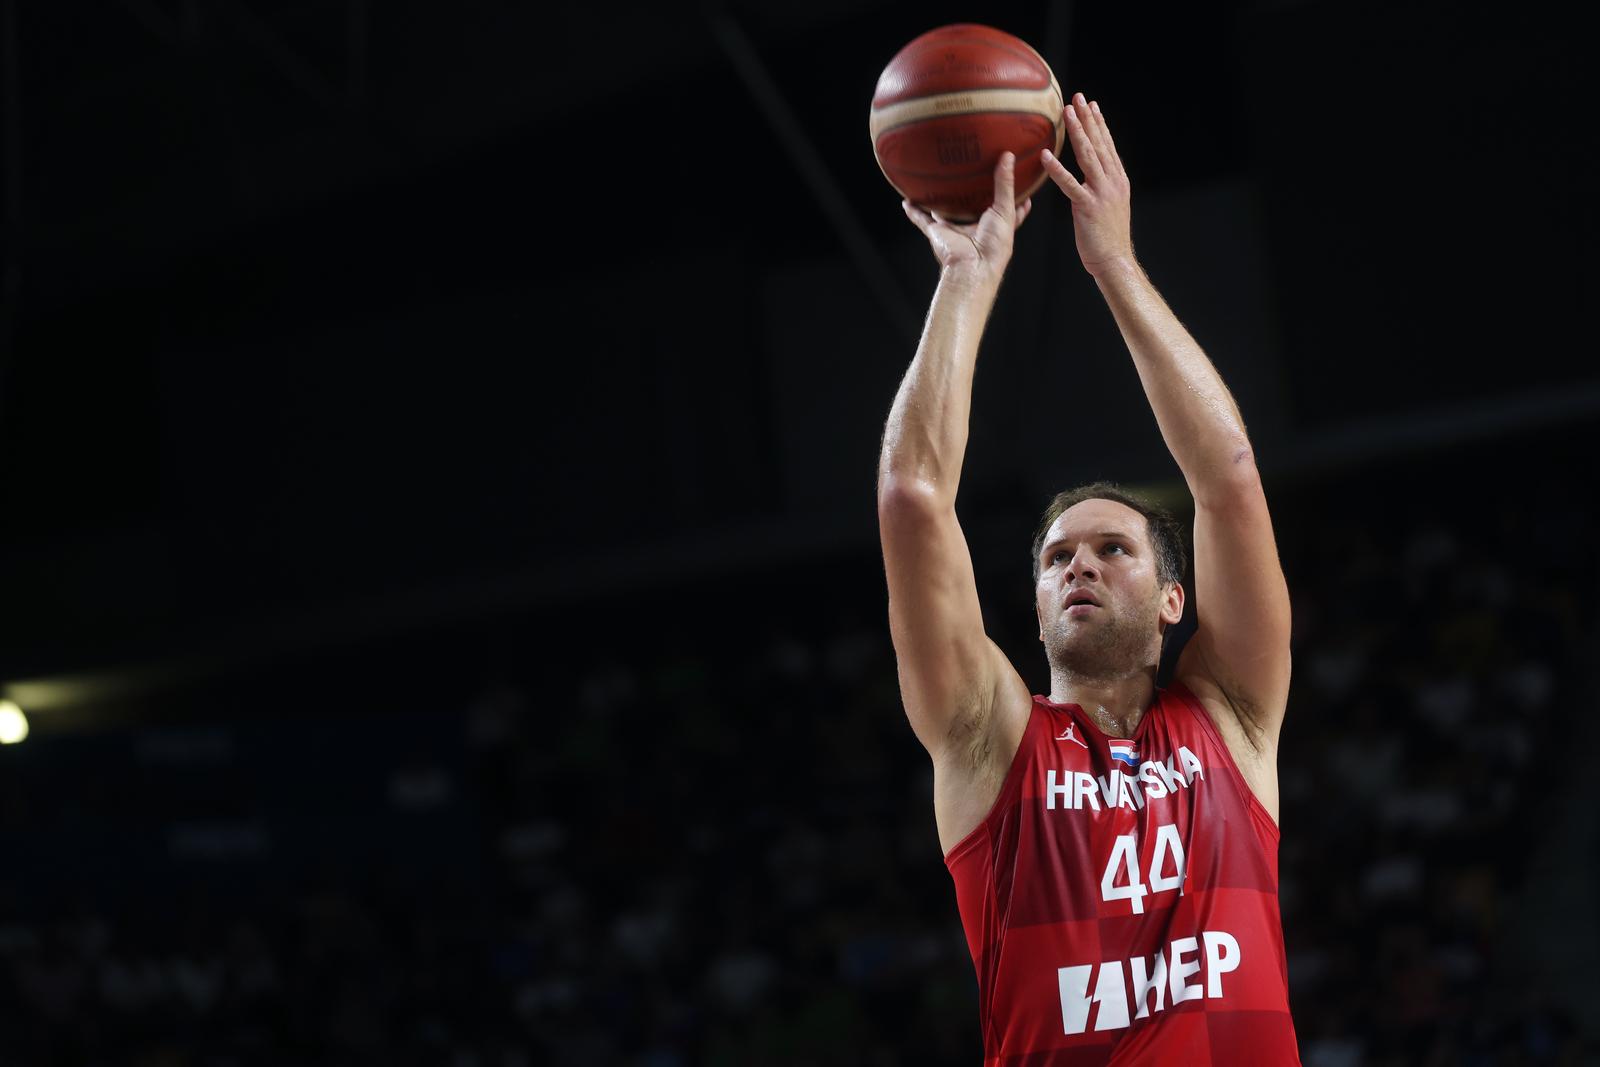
(949, 103)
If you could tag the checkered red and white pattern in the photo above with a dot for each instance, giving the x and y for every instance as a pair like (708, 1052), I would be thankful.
(1124, 915)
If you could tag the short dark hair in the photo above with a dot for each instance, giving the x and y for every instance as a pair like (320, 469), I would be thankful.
(1165, 534)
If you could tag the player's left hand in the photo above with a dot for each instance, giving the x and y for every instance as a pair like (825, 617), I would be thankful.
(1101, 201)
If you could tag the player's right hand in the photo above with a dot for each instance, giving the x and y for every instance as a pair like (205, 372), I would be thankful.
(985, 245)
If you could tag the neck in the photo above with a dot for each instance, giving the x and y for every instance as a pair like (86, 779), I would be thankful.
(1116, 702)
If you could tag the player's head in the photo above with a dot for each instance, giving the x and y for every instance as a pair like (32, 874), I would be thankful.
(1125, 556)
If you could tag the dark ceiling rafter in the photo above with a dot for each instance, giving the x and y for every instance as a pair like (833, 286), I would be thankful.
(188, 29)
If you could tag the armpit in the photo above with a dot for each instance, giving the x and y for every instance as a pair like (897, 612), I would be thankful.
(971, 742)
(1250, 717)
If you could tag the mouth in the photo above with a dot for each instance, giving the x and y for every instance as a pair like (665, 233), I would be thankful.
(1081, 599)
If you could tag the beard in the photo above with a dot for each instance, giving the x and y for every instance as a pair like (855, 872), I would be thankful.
(1112, 643)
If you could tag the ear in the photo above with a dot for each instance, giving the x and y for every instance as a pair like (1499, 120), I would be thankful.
(1038, 616)
(1172, 604)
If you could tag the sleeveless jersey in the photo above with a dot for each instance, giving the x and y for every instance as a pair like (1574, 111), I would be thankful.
(1121, 899)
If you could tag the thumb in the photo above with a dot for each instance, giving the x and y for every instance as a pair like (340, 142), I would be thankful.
(1005, 186)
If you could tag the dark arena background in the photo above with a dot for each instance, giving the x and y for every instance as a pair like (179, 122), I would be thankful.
(440, 579)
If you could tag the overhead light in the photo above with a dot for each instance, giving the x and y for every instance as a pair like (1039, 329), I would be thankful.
(13, 723)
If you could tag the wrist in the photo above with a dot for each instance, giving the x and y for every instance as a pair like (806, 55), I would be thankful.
(1116, 270)
(970, 280)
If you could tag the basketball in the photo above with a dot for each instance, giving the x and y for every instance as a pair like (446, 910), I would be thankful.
(949, 103)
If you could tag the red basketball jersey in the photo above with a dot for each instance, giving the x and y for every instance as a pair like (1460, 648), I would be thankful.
(1121, 899)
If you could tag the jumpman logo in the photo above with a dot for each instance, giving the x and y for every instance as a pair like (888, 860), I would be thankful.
(1067, 735)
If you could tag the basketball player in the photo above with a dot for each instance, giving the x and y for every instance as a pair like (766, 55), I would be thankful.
(1113, 845)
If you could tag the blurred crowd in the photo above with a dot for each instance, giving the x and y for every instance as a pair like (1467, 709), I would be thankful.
(711, 841)
(1437, 663)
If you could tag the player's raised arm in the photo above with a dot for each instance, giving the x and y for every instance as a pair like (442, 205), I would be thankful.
(952, 676)
(1241, 647)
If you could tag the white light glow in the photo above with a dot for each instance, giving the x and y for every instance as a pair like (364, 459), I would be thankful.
(13, 723)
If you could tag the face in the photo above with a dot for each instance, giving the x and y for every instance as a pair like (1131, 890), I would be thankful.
(1101, 607)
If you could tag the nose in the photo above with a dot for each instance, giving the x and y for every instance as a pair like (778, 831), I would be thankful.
(1082, 566)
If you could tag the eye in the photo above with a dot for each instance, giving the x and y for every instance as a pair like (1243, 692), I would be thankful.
(1113, 545)
(1056, 557)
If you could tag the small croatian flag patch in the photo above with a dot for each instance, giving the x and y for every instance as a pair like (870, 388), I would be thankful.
(1124, 752)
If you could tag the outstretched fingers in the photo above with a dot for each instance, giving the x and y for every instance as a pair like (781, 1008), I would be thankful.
(1093, 128)
(1063, 177)
(1083, 145)
(1107, 147)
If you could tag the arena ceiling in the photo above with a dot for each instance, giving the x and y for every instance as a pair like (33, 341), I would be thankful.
(364, 312)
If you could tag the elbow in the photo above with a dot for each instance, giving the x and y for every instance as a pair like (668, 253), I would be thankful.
(1241, 467)
(905, 496)
(1234, 479)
